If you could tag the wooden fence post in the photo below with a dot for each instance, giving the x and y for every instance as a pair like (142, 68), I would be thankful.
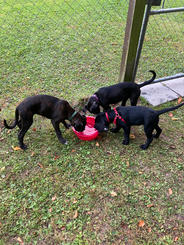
(131, 40)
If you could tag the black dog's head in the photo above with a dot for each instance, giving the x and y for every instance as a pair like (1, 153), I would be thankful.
(93, 105)
(79, 122)
(101, 123)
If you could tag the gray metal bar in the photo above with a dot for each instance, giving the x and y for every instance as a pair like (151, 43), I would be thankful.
(164, 11)
(168, 78)
(141, 39)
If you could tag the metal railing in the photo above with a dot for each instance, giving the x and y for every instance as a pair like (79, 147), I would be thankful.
(169, 22)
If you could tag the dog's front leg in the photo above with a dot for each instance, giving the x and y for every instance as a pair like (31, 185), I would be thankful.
(116, 129)
(67, 126)
(126, 135)
(58, 132)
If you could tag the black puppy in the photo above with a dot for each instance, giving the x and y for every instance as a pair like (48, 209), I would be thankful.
(114, 94)
(48, 106)
(125, 117)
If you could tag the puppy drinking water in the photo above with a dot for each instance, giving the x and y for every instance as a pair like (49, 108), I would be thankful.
(50, 107)
(114, 94)
(125, 117)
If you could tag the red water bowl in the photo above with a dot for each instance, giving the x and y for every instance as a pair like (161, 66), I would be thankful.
(89, 133)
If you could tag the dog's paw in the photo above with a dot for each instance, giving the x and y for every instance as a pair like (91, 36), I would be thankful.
(68, 126)
(63, 141)
(114, 130)
(23, 147)
(125, 142)
(143, 147)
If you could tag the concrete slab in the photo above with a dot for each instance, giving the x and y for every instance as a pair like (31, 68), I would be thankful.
(177, 85)
(158, 93)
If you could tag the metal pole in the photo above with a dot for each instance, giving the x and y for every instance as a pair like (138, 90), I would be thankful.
(164, 11)
(179, 75)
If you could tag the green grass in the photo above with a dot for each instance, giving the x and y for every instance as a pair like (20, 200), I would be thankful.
(85, 193)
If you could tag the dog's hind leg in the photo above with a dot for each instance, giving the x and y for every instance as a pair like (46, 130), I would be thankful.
(149, 135)
(58, 132)
(24, 128)
(159, 131)
(134, 99)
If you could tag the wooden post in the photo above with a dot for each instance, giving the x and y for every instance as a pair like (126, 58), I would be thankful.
(131, 40)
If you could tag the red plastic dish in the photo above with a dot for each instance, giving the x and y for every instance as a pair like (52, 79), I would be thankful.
(89, 132)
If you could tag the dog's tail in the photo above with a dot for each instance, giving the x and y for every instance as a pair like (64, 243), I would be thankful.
(169, 109)
(149, 81)
(15, 122)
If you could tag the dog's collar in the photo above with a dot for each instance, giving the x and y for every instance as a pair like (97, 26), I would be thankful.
(117, 116)
(95, 96)
(72, 116)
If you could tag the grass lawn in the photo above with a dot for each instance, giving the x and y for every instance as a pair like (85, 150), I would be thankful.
(97, 192)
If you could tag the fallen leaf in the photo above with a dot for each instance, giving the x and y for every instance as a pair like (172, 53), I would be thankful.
(19, 240)
(75, 214)
(74, 201)
(170, 191)
(170, 114)
(132, 136)
(2, 169)
(16, 148)
(97, 144)
(32, 153)
(176, 239)
(34, 129)
(172, 147)
(179, 100)
(113, 194)
(73, 150)
(175, 118)
(127, 163)
(149, 230)
(141, 223)
(50, 210)
(54, 198)
(150, 205)
(56, 157)
(40, 165)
